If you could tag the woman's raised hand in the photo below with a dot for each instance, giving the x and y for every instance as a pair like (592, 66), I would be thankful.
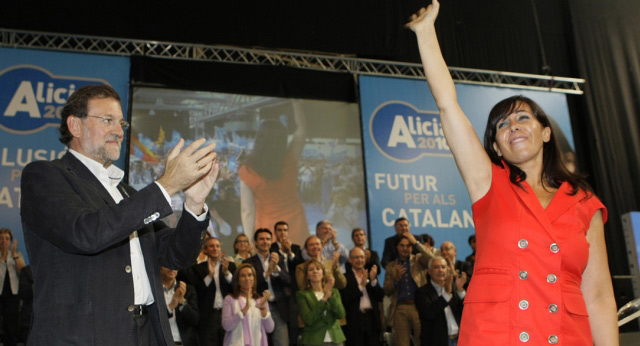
(424, 16)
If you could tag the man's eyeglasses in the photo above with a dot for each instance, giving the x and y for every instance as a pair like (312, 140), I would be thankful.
(109, 122)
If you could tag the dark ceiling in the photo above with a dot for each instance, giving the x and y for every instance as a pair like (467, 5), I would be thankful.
(495, 35)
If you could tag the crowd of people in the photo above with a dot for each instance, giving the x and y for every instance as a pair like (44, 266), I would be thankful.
(275, 292)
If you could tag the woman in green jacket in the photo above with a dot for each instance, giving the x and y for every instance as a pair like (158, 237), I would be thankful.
(320, 307)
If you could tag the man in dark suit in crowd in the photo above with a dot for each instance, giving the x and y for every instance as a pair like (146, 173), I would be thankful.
(292, 253)
(182, 308)
(361, 299)
(212, 280)
(96, 244)
(272, 275)
(439, 304)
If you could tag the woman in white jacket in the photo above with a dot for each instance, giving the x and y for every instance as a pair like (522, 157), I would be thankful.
(245, 315)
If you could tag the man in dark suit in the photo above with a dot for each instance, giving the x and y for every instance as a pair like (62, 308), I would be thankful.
(439, 307)
(272, 275)
(213, 281)
(292, 254)
(182, 308)
(361, 299)
(96, 244)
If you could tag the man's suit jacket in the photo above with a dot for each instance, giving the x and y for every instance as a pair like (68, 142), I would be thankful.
(195, 275)
(351, 296)
(389, 252)
(279, 283)
(187, 317)
(291, 263)
(432, 318)
(418, 270)
(77, 238)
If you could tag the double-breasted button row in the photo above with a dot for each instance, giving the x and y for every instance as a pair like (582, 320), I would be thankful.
(524, 305)
(524, 337)
(523, 244)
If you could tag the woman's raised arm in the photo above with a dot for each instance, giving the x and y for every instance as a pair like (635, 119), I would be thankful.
(472, 161)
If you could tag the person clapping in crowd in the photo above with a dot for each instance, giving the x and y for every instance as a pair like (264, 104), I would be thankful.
(241, 248)
(245, 315)
(439, 304)
(11, 263)
(182, 308)
(361, 299)
(320, 307)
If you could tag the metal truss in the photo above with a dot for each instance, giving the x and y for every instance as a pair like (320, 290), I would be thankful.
(309, 61)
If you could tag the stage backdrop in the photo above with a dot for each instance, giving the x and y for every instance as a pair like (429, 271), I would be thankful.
(34, 86)
(410, 171)
(298, 161)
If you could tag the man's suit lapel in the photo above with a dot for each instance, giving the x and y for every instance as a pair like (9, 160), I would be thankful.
(78, 169)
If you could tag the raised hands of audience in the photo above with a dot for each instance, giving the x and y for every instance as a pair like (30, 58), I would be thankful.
(224, 266)
(178, 295)
(328, 287)
(273, 264)
(448, 281)
(412, 239)
(336, 259)
(286, 246)
(263, 302)
(365, 278)
(460, 281)
(373, 273)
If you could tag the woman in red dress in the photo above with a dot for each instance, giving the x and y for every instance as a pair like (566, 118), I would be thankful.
(541, 274)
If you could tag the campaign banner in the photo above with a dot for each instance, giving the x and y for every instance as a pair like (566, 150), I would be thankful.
(34, 87)
(410, 171)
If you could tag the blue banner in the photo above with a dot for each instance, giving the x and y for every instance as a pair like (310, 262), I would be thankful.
(34, 87)
(410, 170)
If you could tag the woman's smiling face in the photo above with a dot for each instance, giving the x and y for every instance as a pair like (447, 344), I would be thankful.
(520, 136)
